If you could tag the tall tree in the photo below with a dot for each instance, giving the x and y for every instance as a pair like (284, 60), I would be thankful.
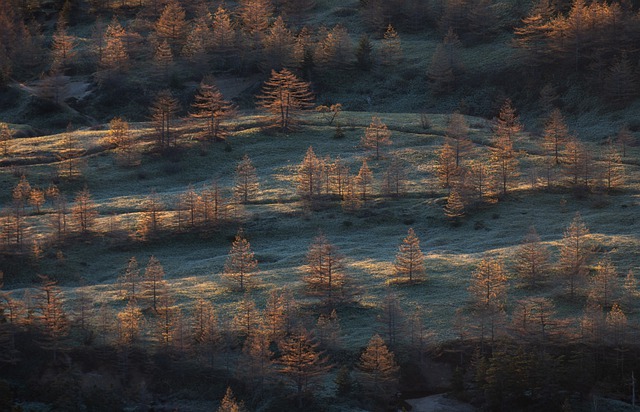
(555, 134)
(376, 135)
(335, 50)
(391, 49)
(457, 134)
(246, 186)
(153, 283)
(53, 318)
(121, 137)
(575, 251)
(489, 283)
(5, 138)
(172, 25)
(211, 106)
(278, 47)
(364, 182)
(230, 404)
(394, 178)
(613, 168)
(130, 282)
(310, 175)
(604, 288)
(410, 259)
(379, 372)
(130, 324)
(285, 97)
(241, 265)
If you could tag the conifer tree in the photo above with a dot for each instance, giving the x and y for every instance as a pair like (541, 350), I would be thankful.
(256, 365)
(364, 182)
(113, 57)
(310, 174)
(394, 179)
(247, 319)
(5, 138)
(254, 15)
(379, 372)
(163, 111)
(121, 137)
(410, 259)
(575, 252)
(454, 208)
(150, 221)
(457, 136)
(336, 51)
(489, 284)
(364, 54)
(391, 50)
(246, 186)
(325, 270)
(62, 49)
(230, 404)
(129, 324)
(131, 282)
(163, 60)
(625, 139)
(302, 363)
(555, 134)
(84, 211)
(328, 330)
(613, 168)
(392, 319)
(285, 97)
(172, 25)
(241, 265)
(532, 259)
(211, 106)
(604, 284)
(278, 47)
(440, 71)
(446, 167)
(376, 135)
(53, 318)
(616, 322)
(224, 36)
(152, 282)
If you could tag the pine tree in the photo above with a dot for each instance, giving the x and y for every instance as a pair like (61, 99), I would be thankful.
(575, 251)
(379, 372)
(376, 135)
(532, 259)
(241, 265)
(285, 97)
(410, 259)
(246, 186)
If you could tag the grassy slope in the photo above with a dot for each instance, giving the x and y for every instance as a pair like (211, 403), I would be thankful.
(280, 231)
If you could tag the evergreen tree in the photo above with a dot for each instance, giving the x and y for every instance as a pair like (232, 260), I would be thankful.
(532, 259)
(410, 259)
(379, 372)
(163, 111)
(211, 106)
(376, 135)
(246, 186)
(575, 251)
(285, 97)
(241, 265)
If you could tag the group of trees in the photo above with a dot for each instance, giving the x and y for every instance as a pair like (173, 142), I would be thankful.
(477, 176)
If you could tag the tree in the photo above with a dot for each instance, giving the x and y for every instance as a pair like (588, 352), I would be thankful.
(410, 259)
(376, 135)
(446, 166)
(575, 251)
(379, 372)
(199, 41)
(211, 106)
(168, 318)
(336, 51)
(325, 270)
(301, 361)
(224, 35)
(241, 265)
(489, 283)
(163, 110)
(328, 330)
(230, 404)
(457, 136)
(53, 318)
(364, 53)
(574, 160)
(129, 324)
(278, 47)
(531, 259)
(454, 208)
(62, 48)
(555, 134)
(246, 186)
(604, 283)
(254, 15)
(153, 283)
(391, 50)
(620, 83)
(330, 112)
(613, 168)
(534, 320)
(440, 71)
(163, 60)
(84, 211)
(625, 139)
(171, 25)
(309, 176)
(394, 179)
(392, 319)
(5, 138)
(113, 58)
(121, 137)
(285, 97)
(150, 220)
(256, 365)
(131, 282)
(36, 198)
(616, 323)
(364, 182)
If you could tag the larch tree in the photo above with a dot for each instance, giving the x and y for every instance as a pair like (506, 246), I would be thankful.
(230, 404)
(328, 330)
(378, 370)
(255, 366)
(275, 316)
(575, 251)
(504, 158)
(325, 271)
(163, 112)
(121, 137)
(616, 324)
(278, 47)
(531, 260)
(335, 50)
(612, 168)
(224, 35)
(246, 187)
(604, 288)
(171, 26)
(457, 134)
(534, 321)
(199, 41)
(454, 208)
(113, 57)
(285, 97)
(309, 176)
(63, 49)
(130, 282)
(247, 318)
(446, 167)
(130, 321)
(376, 135)
(84, 211)
(163, 60)
(555, 135)
(394, 178)
(391, 320)
(625, 139)
(241, 266)
(53, 318)
(152, 282)
(210, 106)
(364, 182)
(150, 220)
(167, 318)
(301, 362)
(630, 289)
(488, 291)
(440, 71)
(391, 48)
(410, 259)
(573, 160)
(254, 15)
(5, 138)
